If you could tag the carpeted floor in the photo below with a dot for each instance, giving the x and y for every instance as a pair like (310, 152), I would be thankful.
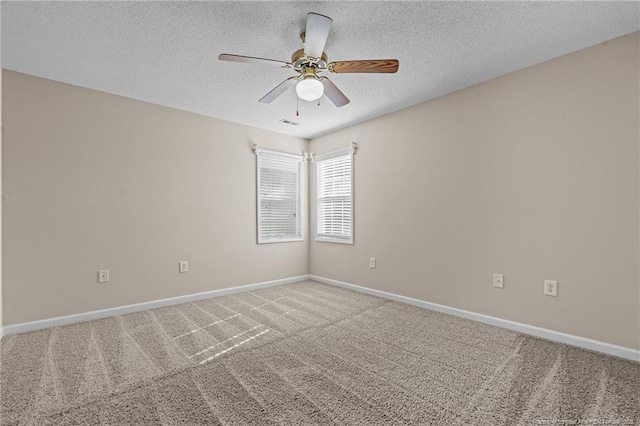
(304, 354)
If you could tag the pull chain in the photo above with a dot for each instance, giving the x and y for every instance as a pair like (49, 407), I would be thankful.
(297, 106)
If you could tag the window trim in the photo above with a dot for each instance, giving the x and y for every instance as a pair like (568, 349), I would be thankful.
(300, 160)
(329, 156)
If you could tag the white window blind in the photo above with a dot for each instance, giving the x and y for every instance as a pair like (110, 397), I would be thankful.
(334, 197)
(279, 185)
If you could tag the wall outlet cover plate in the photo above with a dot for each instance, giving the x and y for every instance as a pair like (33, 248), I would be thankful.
(550, 288)
(103, 276)
(498, 280)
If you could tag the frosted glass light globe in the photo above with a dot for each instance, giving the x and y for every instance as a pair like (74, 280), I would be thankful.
(309, 89)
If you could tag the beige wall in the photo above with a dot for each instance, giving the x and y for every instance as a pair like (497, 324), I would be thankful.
(533, 175)
(96, 181)
(1, 132)
(638, 75)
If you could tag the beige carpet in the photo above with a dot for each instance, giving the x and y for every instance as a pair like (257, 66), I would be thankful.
(303, 354)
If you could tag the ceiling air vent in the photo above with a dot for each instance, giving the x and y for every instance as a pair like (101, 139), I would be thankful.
(291, 123)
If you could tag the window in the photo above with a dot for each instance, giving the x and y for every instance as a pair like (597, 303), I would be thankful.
(279, 183)
(334, 197)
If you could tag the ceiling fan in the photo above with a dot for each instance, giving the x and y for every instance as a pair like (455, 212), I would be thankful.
(312, 60)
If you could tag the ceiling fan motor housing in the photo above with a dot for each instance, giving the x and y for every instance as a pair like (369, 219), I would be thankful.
(300, 61)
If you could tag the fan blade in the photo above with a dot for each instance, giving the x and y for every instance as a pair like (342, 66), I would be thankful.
(333, 93)
(279, 90)
(251, 59)
(315, 37)
(367, 66)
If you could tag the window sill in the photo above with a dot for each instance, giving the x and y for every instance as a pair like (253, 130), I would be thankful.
(333, 240)
(292, 240)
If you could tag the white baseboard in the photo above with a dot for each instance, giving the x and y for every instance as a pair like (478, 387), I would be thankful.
(607, 348)
(88, 316)
(594, 345)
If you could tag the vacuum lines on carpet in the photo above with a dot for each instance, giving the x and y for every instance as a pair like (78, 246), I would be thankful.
(305, 354)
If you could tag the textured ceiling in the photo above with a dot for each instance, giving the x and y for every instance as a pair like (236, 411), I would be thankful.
(166, 52)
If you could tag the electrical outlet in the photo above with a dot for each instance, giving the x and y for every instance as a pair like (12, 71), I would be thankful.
(183, 267)
(372, 263)
(498, 280)
(550, 288)
(103, 276)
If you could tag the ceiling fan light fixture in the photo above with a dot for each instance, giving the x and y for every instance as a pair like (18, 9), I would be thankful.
(309, 89)
(311, 60)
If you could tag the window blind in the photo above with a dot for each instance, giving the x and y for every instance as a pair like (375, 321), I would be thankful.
(279, 185)
(334, 197)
